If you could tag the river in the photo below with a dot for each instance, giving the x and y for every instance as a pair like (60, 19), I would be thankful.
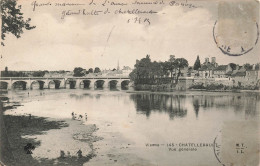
(135, 128)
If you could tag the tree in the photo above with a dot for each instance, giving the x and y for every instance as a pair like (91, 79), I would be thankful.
(12, 19)
(143, 68)
(90, 70)
(247, 66)
(156, 72)
(165, 68)
(13, 74)
(171, 65)
(97, 70)
(38, 73)
(142, 72)
(172, 58)
(233, 66)
(197, 64)
(151, 73)
(180, 63)
(78, 72)
(114, 69)
(62, 71)
(133, 76)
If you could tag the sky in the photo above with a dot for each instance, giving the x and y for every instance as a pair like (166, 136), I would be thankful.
(103, 40)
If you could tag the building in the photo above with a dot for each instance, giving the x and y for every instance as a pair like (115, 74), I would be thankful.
(207, 68)
(229, 75)
(118, 68)
(206, 71)
(246, 78)
(220, 71)
(206, 61)
(126, 71)
(213, 61)
(59, 74)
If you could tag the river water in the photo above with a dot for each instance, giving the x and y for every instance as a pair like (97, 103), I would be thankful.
(136, 128)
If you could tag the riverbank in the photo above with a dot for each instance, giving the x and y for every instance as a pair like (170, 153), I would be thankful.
(194, 90)
(17, 131)
(155, 88)
(172, 88)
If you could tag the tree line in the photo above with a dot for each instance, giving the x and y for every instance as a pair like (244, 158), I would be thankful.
(7, 73)
(152, 73)
(80, 72)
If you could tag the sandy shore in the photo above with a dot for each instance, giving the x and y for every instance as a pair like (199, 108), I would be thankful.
(18, 131)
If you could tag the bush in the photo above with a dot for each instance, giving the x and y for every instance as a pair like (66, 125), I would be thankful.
(215, 87)
(154, 88)
(197, 86)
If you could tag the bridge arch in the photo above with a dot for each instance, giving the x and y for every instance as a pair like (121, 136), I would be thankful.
(113, 84)
(56, 84)
(20, 85)
(125, 84)
(70, 84)
(99, 84)
(85, 84)
(39, 82)
(4, 85)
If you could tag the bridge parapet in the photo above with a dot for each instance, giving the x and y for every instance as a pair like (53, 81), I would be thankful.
(58, 78)
(60, 82)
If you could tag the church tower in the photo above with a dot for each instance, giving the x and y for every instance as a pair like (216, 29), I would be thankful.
(118, 68)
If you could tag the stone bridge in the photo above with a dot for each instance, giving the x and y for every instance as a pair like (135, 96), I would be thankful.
(62, 83)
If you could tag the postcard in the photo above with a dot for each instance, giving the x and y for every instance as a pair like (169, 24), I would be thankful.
(130, 82)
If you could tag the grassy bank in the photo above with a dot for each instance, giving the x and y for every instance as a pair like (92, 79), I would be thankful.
(212, 87)
(155, 88)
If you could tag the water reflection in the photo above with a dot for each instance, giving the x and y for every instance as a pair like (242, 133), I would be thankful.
(177, 105)
(196, 106)
(85, 95)
(173, 105)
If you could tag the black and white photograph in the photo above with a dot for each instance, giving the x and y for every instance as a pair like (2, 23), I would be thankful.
(129, 83)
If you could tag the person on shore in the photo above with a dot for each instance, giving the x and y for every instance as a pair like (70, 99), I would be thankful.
(72, 114)
(30, 116)
(79, 154)
(28, 148)
(62, 154)
(86, 116)
(80, 116)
